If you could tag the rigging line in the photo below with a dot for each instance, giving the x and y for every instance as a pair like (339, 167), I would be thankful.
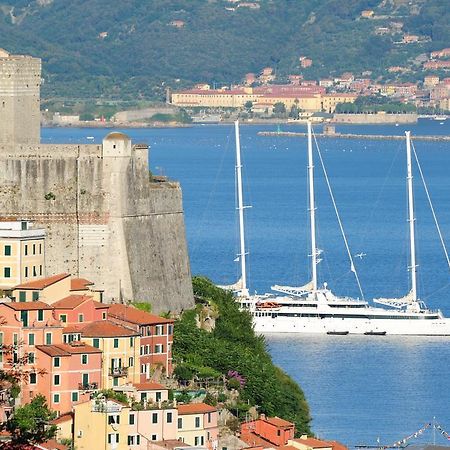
(431, 206)
(352, 265)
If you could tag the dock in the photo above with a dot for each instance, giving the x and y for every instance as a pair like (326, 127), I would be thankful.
(380, 137)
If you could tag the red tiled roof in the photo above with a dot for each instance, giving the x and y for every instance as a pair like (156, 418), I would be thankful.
(276, 421)
(27, 306)
(98, 305)
(255, 440)
(148, 386)
(313, 442)
(51, 445)
(287, 447)
(71, 301)
(63, 418)
(79, 284)
(195, 408)
(105, 328)
(74, 328)
(76, 348)
(43, 282)
(134, 315)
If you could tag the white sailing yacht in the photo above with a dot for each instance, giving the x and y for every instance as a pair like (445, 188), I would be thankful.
(315, 309)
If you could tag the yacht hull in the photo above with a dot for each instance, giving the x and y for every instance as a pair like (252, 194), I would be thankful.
(420, 326)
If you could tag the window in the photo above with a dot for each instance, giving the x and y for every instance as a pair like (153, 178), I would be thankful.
(130, 361)
(196, 441)
(131, 341)
(209, 417)
(1, 346)
(197, 423)
(26, 249)
(116, 343)
(96, 342)
(35, 296)
(85, 379)
(169, 417)
(159, 330)
(24, 318)
(159, 348)
(34, 271)
(7, 272)
(26, 271)
(143, 368)
(40, 315)
(30, 358)
(40, 270)
(63, 318)
(40, 249)
(116, 381)
(155, 418)
(103, 315)
(202, 440)
(130, 440)
(74, 396)
(34, 249)
(33, 378)
(138, 440)
(55, 398)
(114, 420)
(80, 318)
(84, 359)
(113, 438)
(22, 296)
(56, 380)
(180, 423)
(56, 361)
(158, 396)
(24, 225)
(278, 432)
(7, 250)
(143, 396)
(131, 419)
(48, 339)
(170, 329)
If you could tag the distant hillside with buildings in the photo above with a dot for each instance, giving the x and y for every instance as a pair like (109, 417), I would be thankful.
(129, 51)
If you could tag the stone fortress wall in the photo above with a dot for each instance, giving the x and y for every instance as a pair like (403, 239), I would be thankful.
(105, 220)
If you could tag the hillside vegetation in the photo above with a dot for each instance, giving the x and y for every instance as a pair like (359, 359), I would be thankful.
(133, 49)
(233, 346)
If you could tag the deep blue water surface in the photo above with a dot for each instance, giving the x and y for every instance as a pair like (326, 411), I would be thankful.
(358, 388)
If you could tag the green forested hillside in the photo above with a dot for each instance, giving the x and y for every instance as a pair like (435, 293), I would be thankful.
(129, 49)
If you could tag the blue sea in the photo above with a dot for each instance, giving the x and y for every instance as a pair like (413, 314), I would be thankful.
(359, 389)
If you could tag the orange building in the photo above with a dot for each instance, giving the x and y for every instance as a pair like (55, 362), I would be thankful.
(70, 373)
(267, 431)
(156, 337)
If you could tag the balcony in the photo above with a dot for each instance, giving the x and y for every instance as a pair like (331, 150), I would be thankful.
(88, 386)
(118, 371)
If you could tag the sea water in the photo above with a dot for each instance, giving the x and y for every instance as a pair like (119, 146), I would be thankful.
(360, 389)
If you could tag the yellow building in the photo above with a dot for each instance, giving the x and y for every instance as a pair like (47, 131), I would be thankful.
(102, 424)
(328, 102)
(120, 347)
(22, 253)
(54, 288)
(214, 98)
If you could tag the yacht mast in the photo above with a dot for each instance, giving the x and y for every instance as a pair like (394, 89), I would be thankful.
(243, 291)
(411, 218)
(312, 209)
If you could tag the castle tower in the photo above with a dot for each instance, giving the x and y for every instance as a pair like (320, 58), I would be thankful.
(20, 80)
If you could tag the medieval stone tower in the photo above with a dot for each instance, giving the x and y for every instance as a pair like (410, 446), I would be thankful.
(106, 220)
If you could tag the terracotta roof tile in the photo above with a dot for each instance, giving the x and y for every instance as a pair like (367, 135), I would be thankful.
(255, 440)
(276, 421)
(76, 348)
(63, 418)
(313, 442)
(27, 306)
(98, 305)
(136, 316)
(105, 328)
(73, 328)
(195, 408)
(71, 301)
(43, 282)
(148, 386)
(80, 284)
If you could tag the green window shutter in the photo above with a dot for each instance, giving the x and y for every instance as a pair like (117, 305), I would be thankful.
(40, 314)
(22, 296)
(7, 250)
(74, 396)
(96, 343)
(31, 339)
(35, 296)
(7, 272)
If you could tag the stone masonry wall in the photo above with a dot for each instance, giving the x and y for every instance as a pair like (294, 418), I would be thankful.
(105, 220)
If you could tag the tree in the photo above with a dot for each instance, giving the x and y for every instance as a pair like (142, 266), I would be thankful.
(279, 109)
(248, 106)
(30, 424)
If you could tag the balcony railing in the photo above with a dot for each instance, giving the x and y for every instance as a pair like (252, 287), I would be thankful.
(88, 386)
(118, 371)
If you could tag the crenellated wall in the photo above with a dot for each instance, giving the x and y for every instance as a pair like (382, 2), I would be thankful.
(105, 220)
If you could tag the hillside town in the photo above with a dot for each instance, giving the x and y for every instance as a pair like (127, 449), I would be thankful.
(263, 93)
(106, 369)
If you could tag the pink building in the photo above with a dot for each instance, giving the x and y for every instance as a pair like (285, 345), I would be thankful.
(156, 337)
(70, 373)
(80, 309)
(197, 424)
